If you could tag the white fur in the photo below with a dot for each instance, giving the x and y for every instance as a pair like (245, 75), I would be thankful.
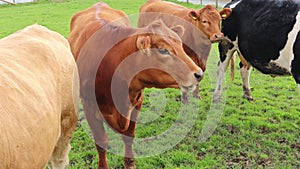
(286, 54)
(299, 88)
(234, 5)
(245, 74)
(221, 72)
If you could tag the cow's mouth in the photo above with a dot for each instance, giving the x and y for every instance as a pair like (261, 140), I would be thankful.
(187, 88)
(216, 40)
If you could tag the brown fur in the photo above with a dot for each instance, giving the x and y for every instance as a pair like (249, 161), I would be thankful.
(202, 27)
(113, 52)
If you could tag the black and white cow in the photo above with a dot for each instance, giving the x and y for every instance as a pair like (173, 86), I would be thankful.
(267, 34)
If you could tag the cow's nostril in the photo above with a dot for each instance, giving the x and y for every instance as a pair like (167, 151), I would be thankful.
(199, 75)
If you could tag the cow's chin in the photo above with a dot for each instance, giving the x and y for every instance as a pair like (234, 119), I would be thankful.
(185, 89)
(216, 40)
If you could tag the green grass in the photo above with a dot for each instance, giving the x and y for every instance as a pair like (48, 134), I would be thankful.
(259, 134)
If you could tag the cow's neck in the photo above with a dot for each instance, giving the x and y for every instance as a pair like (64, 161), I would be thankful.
(127, 67)
(128, 47)
(135, 87)
(117, 96)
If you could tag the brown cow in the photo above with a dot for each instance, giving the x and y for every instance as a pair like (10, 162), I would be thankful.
(37, 105)
(116, 62)
(197, 44)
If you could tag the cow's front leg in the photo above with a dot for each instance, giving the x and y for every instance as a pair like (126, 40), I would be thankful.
(100, 137)
(222, 67)
(245, 74)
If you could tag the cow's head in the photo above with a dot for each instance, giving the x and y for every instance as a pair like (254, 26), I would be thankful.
(208, 20)
(226, 48)
(229, 44)
(171, 65)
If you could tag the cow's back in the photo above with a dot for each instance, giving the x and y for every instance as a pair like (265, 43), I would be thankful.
(36, 86)
(165, 7)
(85, 23)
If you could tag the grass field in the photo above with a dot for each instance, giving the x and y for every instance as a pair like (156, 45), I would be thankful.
(264, 133)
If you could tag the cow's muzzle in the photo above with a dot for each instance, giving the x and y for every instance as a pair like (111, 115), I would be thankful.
(216, 37)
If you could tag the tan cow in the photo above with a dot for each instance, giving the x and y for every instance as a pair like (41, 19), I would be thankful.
(37, 103)
(116, 62)
(202, 28)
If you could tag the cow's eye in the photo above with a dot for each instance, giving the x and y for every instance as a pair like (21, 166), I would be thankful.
(204, 21)
(163, 51)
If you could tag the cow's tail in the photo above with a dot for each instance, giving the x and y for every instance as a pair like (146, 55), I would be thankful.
(232, 63)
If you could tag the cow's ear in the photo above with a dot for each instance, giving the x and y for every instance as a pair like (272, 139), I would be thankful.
(225, 13)
(179, 30)
(143, 43)
(193, 15)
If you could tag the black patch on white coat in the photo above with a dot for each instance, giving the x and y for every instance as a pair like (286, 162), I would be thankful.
(262, 28)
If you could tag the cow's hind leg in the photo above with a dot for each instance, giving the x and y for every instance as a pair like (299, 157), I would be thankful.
(101, 142)
(296, 73)
(98, 130)
(296, 62)
(60, 159)
(297, 79)
(128, 137)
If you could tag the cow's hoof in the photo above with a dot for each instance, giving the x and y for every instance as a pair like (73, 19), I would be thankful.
(129, 163)
(249, 98)
(130, 167)
(102, 167)
(216, 98)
